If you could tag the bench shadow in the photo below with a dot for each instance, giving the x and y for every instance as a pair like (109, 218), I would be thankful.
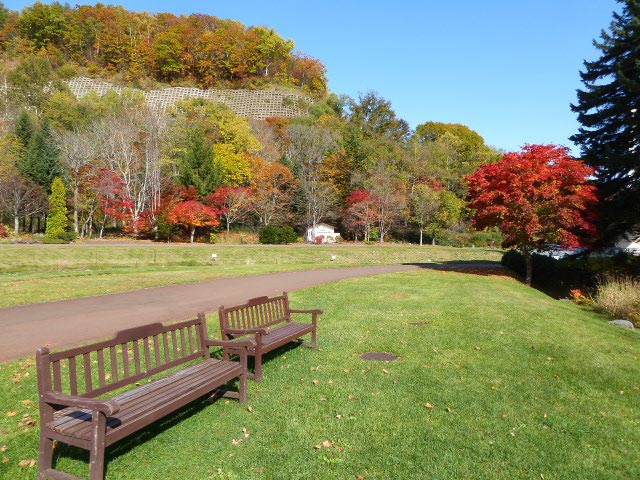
(266, 357)
(129, 443)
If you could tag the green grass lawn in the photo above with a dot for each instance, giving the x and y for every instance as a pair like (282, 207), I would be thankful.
(521, 385)
(39, 273)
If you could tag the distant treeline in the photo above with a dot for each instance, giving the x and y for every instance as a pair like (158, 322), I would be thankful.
(197, 49)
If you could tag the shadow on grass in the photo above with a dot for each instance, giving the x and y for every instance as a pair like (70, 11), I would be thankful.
(129, 443)
(266, 357)
(471, 267)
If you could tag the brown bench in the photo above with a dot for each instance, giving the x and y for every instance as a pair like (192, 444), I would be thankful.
(69, 382)
(269, 321)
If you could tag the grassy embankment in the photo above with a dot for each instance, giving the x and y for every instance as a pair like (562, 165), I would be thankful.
(30, 273)
(521, 385)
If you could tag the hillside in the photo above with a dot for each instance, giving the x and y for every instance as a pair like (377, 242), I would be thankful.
(196, 50)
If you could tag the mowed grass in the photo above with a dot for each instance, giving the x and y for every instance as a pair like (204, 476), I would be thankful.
(32, 273)
(521, 385)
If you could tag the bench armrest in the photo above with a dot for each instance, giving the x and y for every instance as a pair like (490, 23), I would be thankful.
(246, 331)
(212, 342)
(316, 311)
(108, 407)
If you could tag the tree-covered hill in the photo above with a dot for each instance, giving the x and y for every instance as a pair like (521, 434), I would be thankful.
(200, 50)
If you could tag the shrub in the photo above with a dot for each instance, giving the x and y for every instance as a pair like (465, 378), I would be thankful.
(273, 234)
(68, 236)
(4, 233)
(619, 297)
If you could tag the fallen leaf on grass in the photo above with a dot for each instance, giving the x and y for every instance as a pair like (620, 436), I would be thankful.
(4, 448)
(260, 470)
(346, 370)
(428, 406)
(325, 444)
(330, 382)
(477, 348)
(26, 402)
(385, 371)
(250, 409)
(352, 397)
(316, 382)
(236, 441)
(5, 460)
(323, 398)
(27, 421)
(359, 477)
(26, 463)
(449, 410)
(11, 414)
(246, 433)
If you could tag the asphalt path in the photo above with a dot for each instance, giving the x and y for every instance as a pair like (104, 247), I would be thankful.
(72, 322)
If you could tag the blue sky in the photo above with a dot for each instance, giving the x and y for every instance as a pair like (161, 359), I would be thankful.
(506, 68)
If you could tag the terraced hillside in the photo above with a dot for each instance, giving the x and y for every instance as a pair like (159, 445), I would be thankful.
(246, 103)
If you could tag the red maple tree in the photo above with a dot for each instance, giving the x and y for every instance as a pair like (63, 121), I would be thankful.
(193, 214)
(536, 197)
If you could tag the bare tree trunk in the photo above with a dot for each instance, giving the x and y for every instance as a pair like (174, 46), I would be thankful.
(193, 232)
(16, 225)
(420, 235)
(528, 260)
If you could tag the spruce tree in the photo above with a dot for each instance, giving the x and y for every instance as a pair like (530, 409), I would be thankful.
(57, 220)
(609, 111)
(197, 166)
(40, 162)
(24, 128)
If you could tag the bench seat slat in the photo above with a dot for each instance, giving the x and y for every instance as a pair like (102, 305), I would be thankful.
(284, 334)
(147, 403)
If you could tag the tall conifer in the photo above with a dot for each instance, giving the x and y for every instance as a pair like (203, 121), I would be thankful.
(57, 220)
(609, 110)
(41, 163)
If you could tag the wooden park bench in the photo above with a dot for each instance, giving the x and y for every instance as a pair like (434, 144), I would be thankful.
(70, 382)
(269, 321)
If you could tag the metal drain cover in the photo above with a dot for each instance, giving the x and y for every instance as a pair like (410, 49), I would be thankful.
(379, 356)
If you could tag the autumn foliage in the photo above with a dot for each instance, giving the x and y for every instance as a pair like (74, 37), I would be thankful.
(536, 197)
(192, 214)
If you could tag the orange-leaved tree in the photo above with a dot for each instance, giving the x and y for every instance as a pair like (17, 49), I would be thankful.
(536, 197)
(193, 214)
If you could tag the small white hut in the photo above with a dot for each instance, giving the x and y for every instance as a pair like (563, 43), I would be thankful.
(323, 233)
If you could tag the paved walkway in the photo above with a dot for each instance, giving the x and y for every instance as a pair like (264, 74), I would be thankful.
(71, 322)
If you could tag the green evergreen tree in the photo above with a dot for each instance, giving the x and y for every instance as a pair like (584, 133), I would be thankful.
(24, 128)
(609, 110)
(41, 163)
(57, 220)
(196, 165)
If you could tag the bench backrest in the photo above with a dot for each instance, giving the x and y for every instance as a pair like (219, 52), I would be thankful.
(132, 355)
(260, 312)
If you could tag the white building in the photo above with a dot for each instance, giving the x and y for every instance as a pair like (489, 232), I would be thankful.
(322, 231)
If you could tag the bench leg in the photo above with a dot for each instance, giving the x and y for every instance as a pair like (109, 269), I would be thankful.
(45, 456)
(258, 367)
(242, 388)
(96, 454)
(314, 338)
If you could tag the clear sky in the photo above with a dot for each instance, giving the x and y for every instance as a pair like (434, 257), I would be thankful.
(509, 69)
